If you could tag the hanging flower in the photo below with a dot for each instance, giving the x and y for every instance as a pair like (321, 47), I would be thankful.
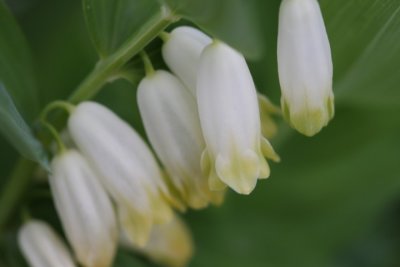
(85, 209)
(170, 116)
(42, 247)
(181, 52)
(305, 66)
(230, 120)
(126, 165)
(170, 244)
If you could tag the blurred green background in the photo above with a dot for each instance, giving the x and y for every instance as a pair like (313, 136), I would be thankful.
(333, 201)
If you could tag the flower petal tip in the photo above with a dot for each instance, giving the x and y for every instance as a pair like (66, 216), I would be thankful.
(309, 121)
(241, 174)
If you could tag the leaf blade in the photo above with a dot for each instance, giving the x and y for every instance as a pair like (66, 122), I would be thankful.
(111, 23)
(16, 69)
(17, 132)
(233, 21)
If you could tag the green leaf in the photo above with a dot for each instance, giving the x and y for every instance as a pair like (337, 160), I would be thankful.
(18, 103)
(16, 71)
(17, 132)
(364, 37)
(112, 22)
(233, 21)
(326, 192)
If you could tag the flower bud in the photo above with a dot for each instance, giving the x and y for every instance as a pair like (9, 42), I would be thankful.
(85, 209)
(170, 117)
(126, 165)
(305, 66)
(170, 244)
(181, 52)
(230, 120)
(42, 247)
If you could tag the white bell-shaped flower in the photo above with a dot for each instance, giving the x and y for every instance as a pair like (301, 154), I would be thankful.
(85, 209)
(170, 117)
(126, 165)
(170, 244)
(305, 66)
(181, 52)
(230, 120)
(42, 247)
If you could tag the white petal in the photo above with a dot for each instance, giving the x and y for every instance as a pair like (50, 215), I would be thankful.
(85, 210)
(170, 117)
(127, 167)
(42, 247)
(181, 53)
(305, 66)
(229, 115)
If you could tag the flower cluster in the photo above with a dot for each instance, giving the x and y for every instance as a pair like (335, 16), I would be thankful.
(208, 127)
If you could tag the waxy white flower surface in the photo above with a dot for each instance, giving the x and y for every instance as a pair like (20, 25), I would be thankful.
(170, 116)
(230, 121)
(126, 165)
(181, 52)
(42, 247)
(85, 209)
(305, 66)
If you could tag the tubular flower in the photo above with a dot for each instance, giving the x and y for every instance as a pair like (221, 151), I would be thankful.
(181, 52)
(85, 209)
(305, 66)
(126, 166)
(230, 120)
(42, 247)
(170, 116)
(170, 244)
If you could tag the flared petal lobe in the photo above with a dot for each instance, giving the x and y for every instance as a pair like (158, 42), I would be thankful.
(85, 209)
(42, 247)
(170, 116)
(305, 66)
(230, 120)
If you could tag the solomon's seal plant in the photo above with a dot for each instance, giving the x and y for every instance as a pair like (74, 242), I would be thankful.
(207, 131)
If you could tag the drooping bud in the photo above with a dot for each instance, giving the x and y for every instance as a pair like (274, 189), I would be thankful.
(125, 163)
(230, 120)
(42, 247)
(85, 209)
(305, 66)
(181, 52)
(169, 245)
(170, 116)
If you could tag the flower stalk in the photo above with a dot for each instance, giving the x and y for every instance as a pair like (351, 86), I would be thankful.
(108, 66)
